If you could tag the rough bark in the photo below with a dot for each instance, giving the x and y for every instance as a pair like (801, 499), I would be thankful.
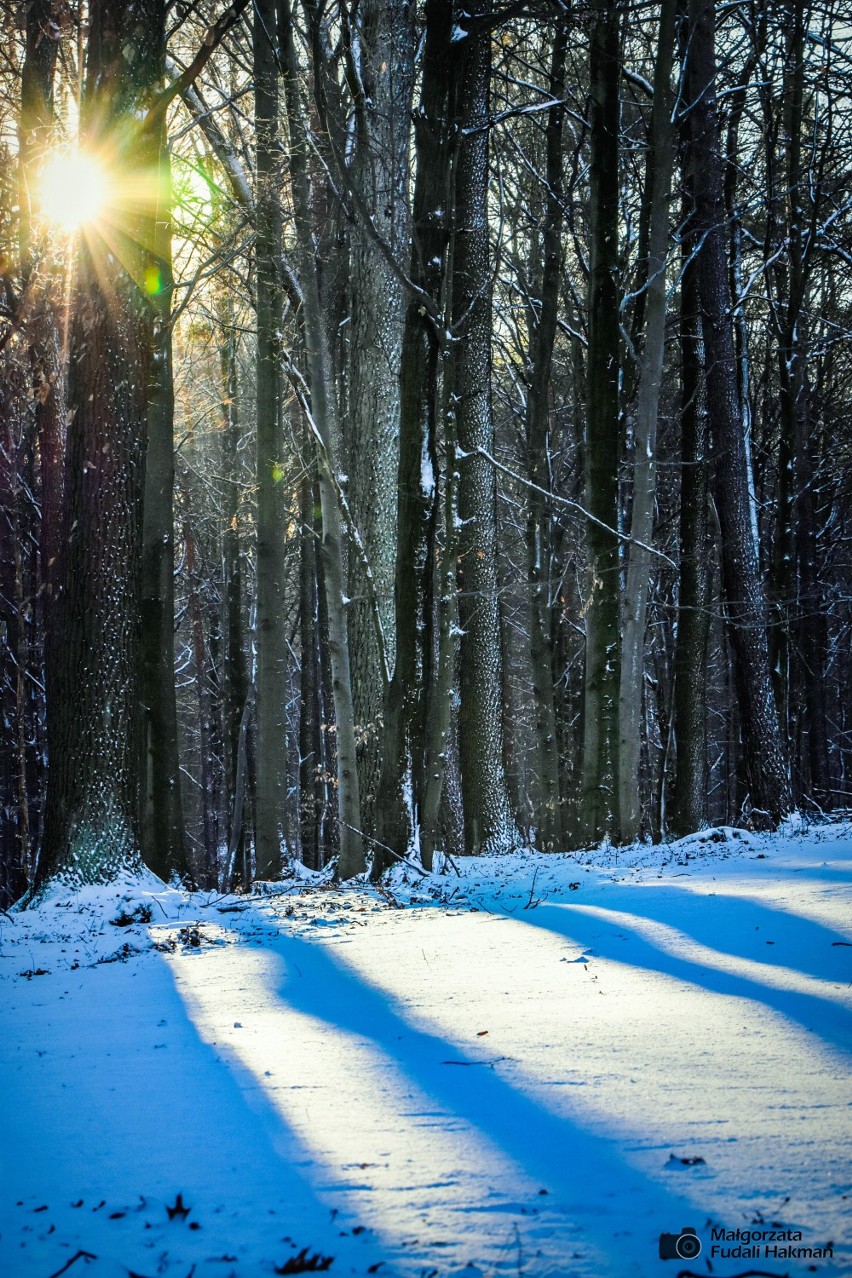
(765, 755)
(488, 819)
(161, 813)
(548, 811)
(404, 717)
(650, 373)
(688, 808)
(381, 73)
(326, 434)
(601, 453)
(271, 690)
(91, 829)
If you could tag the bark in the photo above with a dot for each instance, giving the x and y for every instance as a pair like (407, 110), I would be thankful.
(326, 432)
(658, 178)
(161, 811)
(688, 808)
(381, 72)
(201, 661)
(765, 756)
(91, 829)
(602, 603)
(271, 691)
(311, 752)
(488, 819)
(548, 811)
(417, 494)
(235, 689)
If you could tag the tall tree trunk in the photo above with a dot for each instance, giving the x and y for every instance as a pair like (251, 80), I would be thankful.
(548, 813)
(327, 444)
(488, 819)
(91, 829)
(765, 756)
(160, 812)
(658, 179)
(201, 661)
(417, 490)
(381, 73)
(602, 604)
(688, 809)
(271, 694)
(235, 688)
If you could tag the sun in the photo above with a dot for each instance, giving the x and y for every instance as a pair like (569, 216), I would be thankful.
(73, 190)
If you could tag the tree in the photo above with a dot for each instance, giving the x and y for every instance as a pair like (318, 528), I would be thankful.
(488, 820)
(601, 450)
(91, 830)
(765, 757)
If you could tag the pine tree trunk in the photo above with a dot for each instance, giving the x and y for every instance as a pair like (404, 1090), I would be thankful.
(382, 72)
(271, 691)
(658, 178)
(91, 831)
(688, 809)
(327, 442)
(602, 603)
(765, 755)
(548, 813)
(488, 819)
(417, 493)
(161, 812)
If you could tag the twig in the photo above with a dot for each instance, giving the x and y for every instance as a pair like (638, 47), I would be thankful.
(86, 1255)
(378, 843)
(572, 505)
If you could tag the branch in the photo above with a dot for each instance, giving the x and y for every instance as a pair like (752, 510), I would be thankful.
(214, 37)
(572, 505)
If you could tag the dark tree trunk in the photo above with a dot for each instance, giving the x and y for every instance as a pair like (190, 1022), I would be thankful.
(652, 343)
(404, 717)
(602, 603)
(548, 809)
(91, 829)
(688, 808)
(270, 794)
(765, 756)
(235, 684)
(160, 812)
(381, 66)
(325, 428)
(488, 819)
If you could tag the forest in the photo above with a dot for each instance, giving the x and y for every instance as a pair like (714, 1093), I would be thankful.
(423, 428)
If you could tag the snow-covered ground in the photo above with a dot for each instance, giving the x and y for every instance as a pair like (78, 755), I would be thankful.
(528, 1065)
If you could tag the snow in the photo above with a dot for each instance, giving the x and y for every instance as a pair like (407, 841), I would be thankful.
(527, 1064)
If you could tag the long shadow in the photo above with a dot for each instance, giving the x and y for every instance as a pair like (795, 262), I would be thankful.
(586, 1171)
(607, 938)
(738, 926)
(143, 1107)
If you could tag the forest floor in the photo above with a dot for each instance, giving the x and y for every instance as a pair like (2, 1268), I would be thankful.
(528, 1065)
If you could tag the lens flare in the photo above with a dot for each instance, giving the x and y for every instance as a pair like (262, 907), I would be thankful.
(73, 190)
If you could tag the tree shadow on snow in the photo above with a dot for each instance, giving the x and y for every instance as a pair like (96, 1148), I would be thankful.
(614, 939)
(585, 1172)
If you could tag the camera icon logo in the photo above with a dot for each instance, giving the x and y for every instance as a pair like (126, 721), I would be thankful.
(683, 1246)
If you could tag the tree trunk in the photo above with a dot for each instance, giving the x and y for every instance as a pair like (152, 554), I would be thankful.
(602, 603)
(488, 819)
(417, 480)
(381, 72)
(765, 756)
(688, 809)
(91, 832)
(548, 809)
(658, 178)
(271, 694)
(326, 431)
(161, 812)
